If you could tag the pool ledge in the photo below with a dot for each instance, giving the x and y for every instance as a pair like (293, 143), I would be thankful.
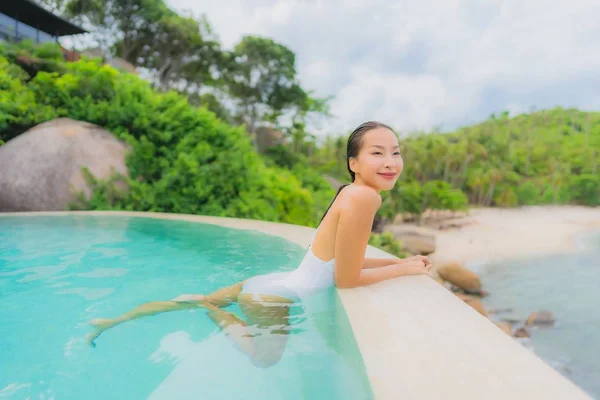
(419, 341)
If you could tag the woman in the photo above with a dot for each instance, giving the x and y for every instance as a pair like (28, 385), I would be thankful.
(336, 257)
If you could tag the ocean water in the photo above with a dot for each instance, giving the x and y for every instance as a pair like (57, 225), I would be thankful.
(569, 286)
(57, 273)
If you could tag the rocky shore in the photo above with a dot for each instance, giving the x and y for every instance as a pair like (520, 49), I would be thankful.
(458, 243)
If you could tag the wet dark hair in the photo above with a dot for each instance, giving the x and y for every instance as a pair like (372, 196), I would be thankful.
(355, 142)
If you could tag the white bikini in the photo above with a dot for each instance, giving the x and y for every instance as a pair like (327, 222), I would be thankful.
(312, 275)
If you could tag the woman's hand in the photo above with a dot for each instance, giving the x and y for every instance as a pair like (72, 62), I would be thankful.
(417, 266)
(425, 260)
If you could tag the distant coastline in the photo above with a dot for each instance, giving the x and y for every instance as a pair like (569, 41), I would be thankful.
(488, 235)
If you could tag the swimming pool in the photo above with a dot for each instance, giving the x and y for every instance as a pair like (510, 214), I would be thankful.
(58, 272)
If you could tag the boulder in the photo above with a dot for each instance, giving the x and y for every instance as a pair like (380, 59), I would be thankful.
(460, 276)
(415, 240)
(41, 169)
(521, 333)
(423, 245)
(540, 318)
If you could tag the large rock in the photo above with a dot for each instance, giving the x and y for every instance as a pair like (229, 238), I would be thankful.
(41, 169)
(541, 318)
(460, 276)
(521, 333)
(423, 245)
(415, 240)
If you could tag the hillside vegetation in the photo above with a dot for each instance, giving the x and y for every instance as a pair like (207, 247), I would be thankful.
(184, 159)
(545, 157)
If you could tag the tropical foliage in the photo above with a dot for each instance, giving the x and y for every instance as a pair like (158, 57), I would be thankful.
(545, 157)
(183, 159)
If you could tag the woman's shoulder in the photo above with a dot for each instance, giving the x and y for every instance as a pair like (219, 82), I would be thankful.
(360, 196)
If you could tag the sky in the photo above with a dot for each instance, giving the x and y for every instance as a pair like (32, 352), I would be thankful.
(423, 65)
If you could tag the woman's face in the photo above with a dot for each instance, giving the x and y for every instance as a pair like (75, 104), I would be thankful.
(378, 163)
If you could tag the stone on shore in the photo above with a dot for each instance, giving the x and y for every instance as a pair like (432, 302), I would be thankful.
(460, 276)
(521, 333)
(540, 318)
(415, 240)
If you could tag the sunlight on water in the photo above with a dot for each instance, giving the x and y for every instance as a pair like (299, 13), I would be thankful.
(57, 273)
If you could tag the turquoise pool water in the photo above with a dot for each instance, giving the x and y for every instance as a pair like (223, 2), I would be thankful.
(568, 286)
(57, 273)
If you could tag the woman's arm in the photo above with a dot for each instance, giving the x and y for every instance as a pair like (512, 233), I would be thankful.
(382, 262)
(371, 276)
(357, 210)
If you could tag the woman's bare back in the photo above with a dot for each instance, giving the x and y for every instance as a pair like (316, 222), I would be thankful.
(347, 202)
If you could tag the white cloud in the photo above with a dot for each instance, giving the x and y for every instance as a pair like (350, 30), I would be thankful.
(408, 102)
(416, 64)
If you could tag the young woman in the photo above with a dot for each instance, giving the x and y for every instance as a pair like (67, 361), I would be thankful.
(336, 257)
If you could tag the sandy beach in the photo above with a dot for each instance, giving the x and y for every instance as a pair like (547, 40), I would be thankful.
(491, 234)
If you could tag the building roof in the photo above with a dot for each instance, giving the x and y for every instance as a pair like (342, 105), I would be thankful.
(30, 13)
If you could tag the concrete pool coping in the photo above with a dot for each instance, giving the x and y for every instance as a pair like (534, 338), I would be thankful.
(417, 340)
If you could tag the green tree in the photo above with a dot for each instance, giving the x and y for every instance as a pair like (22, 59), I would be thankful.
(128, 23)
(183, 54)
(260, 76)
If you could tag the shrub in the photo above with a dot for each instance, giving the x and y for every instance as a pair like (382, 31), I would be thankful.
(387, 242)
(183, 159)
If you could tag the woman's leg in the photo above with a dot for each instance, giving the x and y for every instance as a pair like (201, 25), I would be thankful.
(221, 298)
(263, 336)
(226, 296)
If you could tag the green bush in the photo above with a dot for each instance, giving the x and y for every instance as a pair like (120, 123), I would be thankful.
(284, 157)
(528, 193)
(320, 190)
(585, 189)
(18, 107)
(414, 197)
(387, 242)
(183, 159)
(33, 57)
